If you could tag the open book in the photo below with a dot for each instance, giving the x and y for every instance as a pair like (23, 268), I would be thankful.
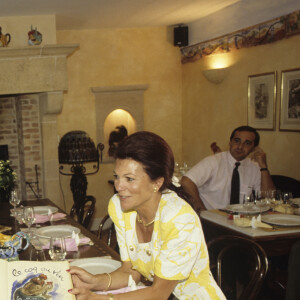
(35, 280)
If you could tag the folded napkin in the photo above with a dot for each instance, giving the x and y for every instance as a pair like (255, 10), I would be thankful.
(52, 217)
(255, 222)
(72, 244)
(281, 209)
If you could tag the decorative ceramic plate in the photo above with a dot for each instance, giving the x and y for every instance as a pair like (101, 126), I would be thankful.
(97, 265)
(239, 208)
(281, 220)
(45, 210)
(56, 231)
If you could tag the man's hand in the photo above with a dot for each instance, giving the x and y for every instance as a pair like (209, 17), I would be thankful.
(260, 157)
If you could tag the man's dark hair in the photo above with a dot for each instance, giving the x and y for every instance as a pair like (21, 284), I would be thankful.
(247, 128)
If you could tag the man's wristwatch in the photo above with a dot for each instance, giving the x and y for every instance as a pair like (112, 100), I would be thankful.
(264, 169)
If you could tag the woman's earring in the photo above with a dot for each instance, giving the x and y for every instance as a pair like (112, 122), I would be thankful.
(155, 189)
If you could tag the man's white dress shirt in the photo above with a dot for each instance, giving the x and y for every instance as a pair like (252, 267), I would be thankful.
(212, 175)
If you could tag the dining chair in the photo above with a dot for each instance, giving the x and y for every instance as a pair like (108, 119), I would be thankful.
(107, 233)
(287, 184)
(84, 212)
(239, 265)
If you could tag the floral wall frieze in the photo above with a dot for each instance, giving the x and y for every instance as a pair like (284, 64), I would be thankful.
(261, 34)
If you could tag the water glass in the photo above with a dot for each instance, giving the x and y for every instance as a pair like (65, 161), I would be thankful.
(248, 202)
(37, 254)
(57, 248)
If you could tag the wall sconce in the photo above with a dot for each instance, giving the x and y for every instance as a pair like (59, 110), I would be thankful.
(215, 75)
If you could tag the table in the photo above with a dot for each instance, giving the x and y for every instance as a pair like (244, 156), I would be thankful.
(275, 243)
(84, 251)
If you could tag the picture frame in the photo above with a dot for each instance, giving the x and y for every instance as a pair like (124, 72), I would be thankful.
(262, 101)
(290, 100)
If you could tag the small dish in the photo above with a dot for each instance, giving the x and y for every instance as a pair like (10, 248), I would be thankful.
(45, 210)
(239, 208)
(281, 220)
(65, 231)
(97, 265)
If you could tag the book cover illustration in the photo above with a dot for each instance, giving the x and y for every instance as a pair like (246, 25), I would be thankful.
(38, 283)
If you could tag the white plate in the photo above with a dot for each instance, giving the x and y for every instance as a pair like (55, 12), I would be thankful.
(56, 231)
(239, 208)
(97, 265)
(296, 201)
(281, 220)
(45, 210)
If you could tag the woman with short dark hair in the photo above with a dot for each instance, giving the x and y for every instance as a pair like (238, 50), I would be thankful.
(159, 234)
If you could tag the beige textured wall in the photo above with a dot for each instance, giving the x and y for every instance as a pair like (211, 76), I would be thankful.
(18, 28)
(121, 57)
(211, 112)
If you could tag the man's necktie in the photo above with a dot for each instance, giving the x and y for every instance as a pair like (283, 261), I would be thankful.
(235, 185)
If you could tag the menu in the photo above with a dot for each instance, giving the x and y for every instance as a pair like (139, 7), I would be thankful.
(35, 280)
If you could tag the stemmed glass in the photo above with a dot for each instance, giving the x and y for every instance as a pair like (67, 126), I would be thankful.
(14, 200)
(248, 201)
(261, 200)
(286, 201)
(28, 218)
(274, 198)
(57, 248)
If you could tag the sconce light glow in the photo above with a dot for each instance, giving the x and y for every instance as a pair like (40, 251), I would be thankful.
(218, 68)
(220, 61)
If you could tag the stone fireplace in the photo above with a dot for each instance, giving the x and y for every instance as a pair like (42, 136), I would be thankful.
(32, 83)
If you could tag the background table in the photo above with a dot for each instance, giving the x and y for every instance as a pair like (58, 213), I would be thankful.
(274, 242)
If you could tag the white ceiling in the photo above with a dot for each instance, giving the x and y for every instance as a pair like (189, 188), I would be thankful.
(205, 18)
(87, 14)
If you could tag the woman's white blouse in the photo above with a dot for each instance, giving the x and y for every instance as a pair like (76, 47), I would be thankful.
(177, 250)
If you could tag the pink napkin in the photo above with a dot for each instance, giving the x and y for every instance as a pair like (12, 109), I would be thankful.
(52, 217)
(71, 243)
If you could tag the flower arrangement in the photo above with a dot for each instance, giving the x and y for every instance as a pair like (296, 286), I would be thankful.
(7, 176)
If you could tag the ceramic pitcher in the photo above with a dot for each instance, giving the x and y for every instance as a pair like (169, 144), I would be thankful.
(4, 38)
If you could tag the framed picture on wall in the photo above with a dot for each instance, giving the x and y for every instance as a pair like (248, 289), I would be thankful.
(261, 101)
(290, 100)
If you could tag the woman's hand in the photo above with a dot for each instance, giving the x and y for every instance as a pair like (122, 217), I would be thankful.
(83, 294)
(83, 279)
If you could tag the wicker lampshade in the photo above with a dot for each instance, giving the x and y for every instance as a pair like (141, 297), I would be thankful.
(76, 147)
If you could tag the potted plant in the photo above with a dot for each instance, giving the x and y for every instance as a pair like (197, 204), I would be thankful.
(7, 180)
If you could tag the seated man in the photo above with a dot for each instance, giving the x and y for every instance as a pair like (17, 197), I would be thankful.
(209, 182)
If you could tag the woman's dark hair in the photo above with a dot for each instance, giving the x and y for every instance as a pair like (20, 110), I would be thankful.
(115, 137)
(154, 154)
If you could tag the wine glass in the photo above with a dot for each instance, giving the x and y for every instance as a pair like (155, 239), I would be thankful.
(286, 201)
(57, 248)
(274, 198)
(14, 200)
(248, 201)
(261, 200)
(28, 218)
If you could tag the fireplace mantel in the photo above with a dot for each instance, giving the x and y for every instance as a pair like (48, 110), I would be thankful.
(31, 51)
(34, 69)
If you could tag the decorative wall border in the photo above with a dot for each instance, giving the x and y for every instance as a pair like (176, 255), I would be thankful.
(263, 33)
